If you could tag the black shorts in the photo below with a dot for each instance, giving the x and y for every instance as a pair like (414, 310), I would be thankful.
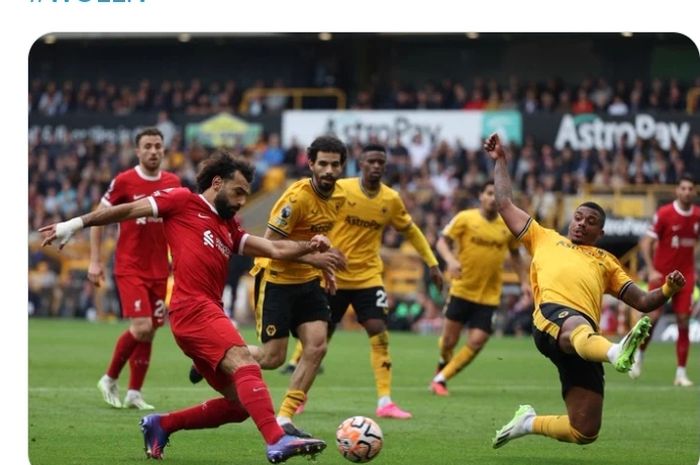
(368, 303)
(573, 370)
(469, 313)
(281, 308)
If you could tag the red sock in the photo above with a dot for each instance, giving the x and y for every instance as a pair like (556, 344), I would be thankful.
(210, 414)
(138, 364)
(122, 352)
(255, 397)
(682, 346)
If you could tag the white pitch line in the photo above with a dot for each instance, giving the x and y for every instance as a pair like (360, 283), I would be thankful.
(492, 387)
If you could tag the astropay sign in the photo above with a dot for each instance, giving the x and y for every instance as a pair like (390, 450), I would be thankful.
(387, 125)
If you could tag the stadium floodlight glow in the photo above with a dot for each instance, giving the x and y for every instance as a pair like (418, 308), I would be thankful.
(325, 36)
(472, 35)
(184, 37)
(626, 34)
(49, 39)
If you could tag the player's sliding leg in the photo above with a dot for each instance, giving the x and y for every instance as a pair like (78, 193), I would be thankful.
(583, 404)
(593, 347)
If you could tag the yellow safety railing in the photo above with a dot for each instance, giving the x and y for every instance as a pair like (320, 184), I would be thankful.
(297, 94)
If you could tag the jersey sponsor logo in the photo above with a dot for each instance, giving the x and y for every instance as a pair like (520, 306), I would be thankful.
(270, 330)
(321, 227)
(148, 219)
(208, 238)
(357, 221)
(486, 243)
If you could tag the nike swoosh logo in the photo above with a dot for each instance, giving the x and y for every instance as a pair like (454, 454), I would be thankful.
(258, 389)
(202, 216)
(139, 196)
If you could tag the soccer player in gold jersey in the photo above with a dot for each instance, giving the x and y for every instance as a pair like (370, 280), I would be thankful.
(483, 242)
(288, 295)
(372, 206)
(569, 276)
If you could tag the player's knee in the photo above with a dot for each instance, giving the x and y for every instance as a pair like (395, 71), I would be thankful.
(271, 360)
(316, 351)
(142, 329)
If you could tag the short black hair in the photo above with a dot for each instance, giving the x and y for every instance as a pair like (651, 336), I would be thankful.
(686, 177)
(374, 148)
(152, 131)
(596, 207)
(327, 144)
(225, 165)
(487, 183)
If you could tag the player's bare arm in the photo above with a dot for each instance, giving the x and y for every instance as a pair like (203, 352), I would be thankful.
(283, 249)
(95, 271)
(514, 217)
(646, 246)
(444, 247)
(64, 230)
(646, 302)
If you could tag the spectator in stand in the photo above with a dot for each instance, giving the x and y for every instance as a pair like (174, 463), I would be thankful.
(582, 103)
(618, 107)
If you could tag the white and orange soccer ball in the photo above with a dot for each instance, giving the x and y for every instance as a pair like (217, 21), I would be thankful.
(359, 439)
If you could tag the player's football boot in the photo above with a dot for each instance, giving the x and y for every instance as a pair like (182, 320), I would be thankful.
(134, 399)
(392, 410)
(515, 428)
(195, 375)
(290, 446)
(110, 391)
(291, 430)
(154, 437)
(682, 381)
(629, 344)
(439, 388)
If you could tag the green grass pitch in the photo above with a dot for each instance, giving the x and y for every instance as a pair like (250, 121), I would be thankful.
(647, 421)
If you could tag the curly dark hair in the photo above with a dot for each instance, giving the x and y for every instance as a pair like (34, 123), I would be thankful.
(327, 144)
(222, 164)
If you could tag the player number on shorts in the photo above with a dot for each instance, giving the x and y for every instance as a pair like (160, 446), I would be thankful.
(159, 310)
(382, 299)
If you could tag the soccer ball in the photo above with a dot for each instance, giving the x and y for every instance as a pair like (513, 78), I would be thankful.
(359, 439)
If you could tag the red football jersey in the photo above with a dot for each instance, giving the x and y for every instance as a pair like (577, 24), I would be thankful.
(141, 248)
(201, 243)
(676, 232)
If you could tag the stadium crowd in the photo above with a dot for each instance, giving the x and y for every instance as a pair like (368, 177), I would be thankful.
(199, 97)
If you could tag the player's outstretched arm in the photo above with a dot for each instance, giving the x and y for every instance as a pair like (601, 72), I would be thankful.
(515, 218)
(64, 230)
(649, 301)
(283, 249)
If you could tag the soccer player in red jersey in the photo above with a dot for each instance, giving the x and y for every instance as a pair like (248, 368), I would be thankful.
(670, 244)
(203, 233)
(140, 268)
